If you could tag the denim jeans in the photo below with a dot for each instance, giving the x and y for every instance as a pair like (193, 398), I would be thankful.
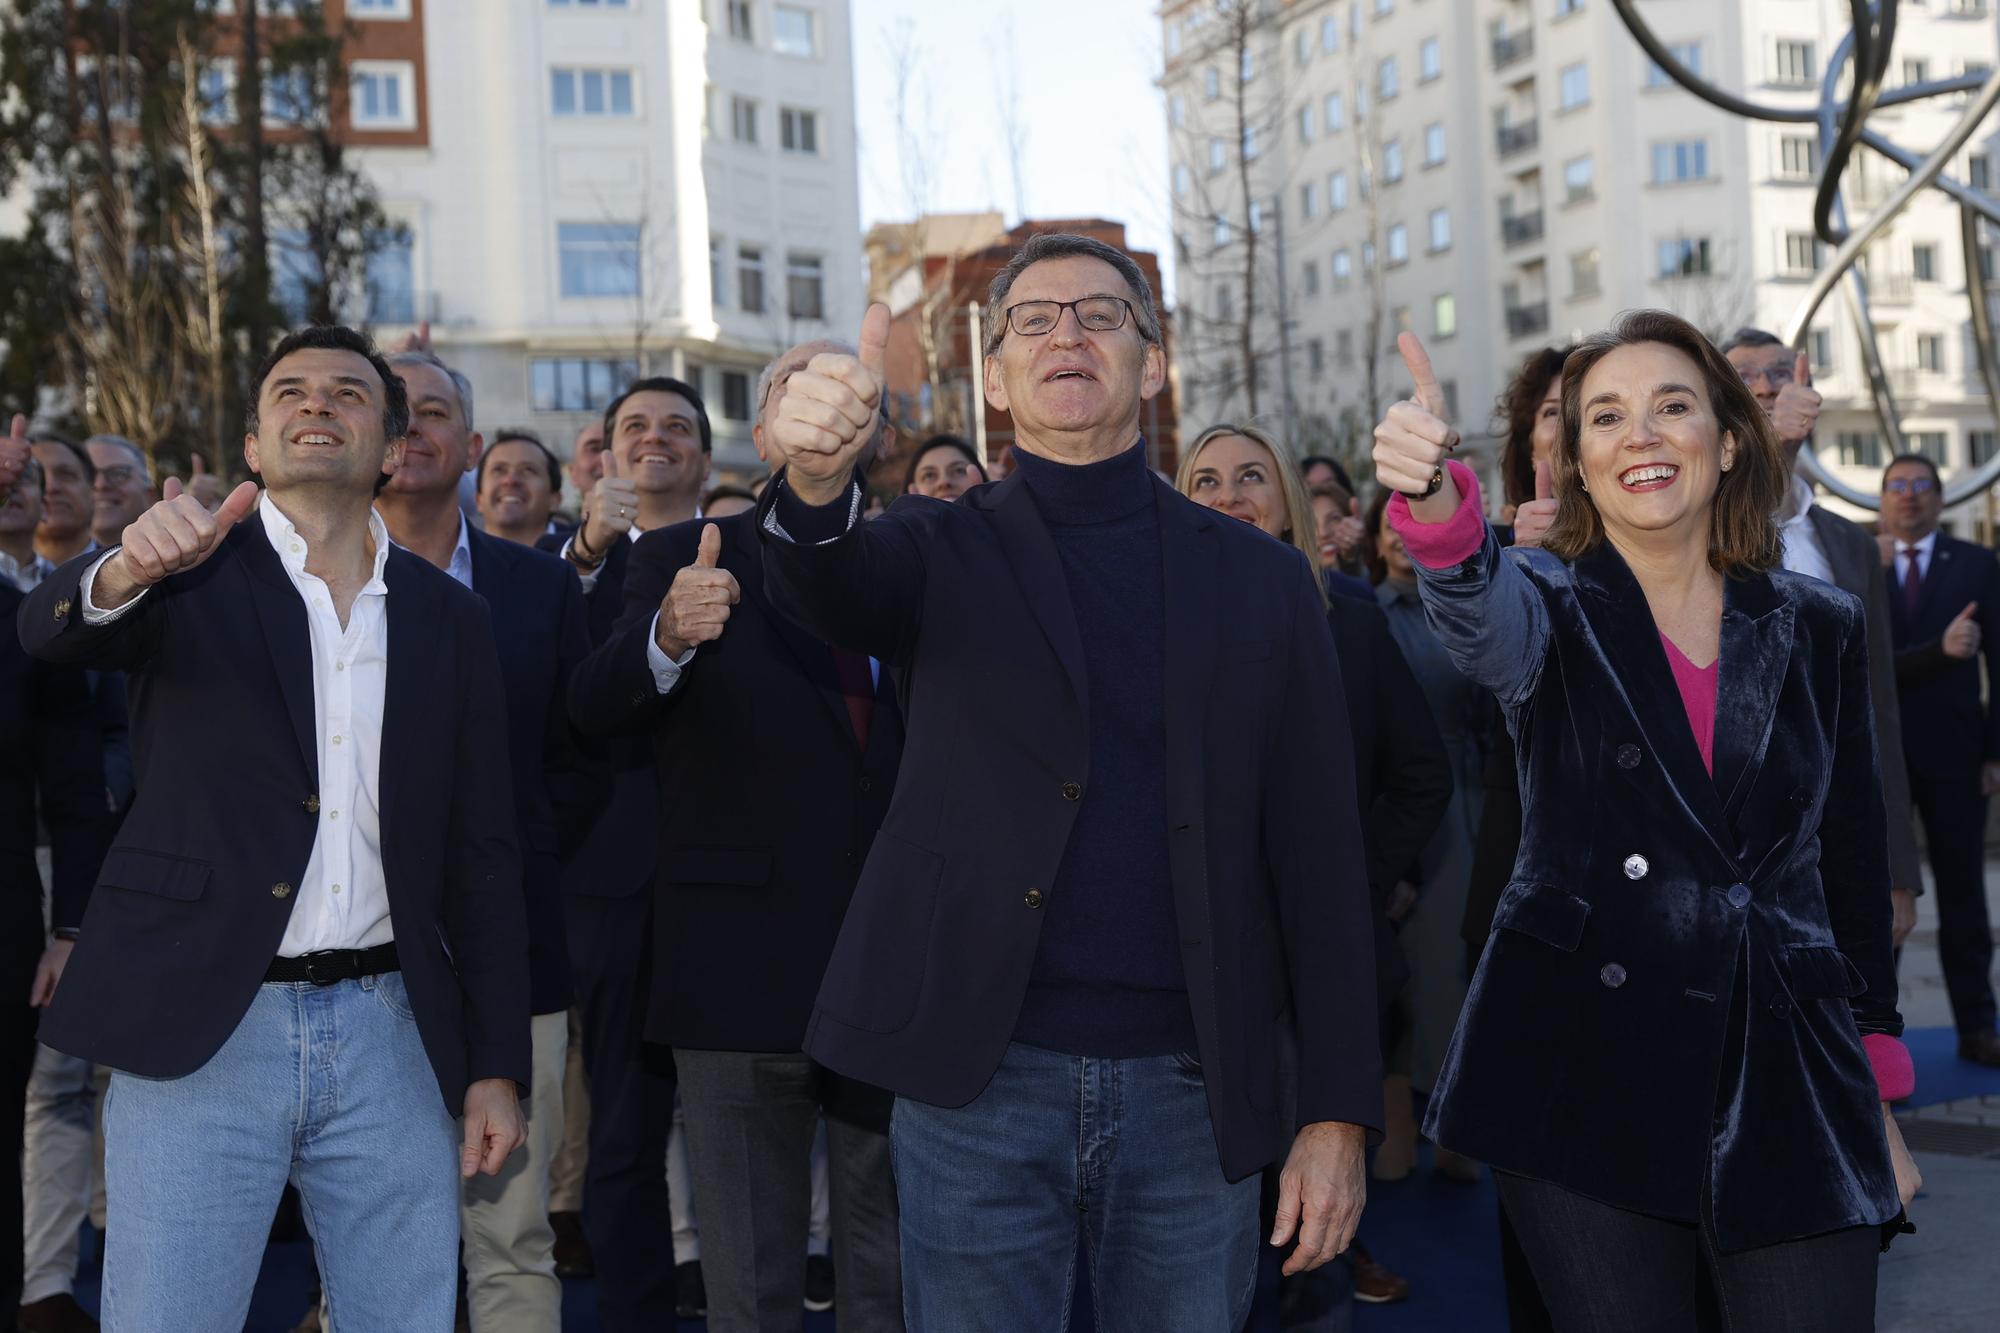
(995, 1194)
(328, 1087)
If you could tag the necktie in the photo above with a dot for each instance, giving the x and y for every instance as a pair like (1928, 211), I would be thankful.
(857, 686)
(1913, 581)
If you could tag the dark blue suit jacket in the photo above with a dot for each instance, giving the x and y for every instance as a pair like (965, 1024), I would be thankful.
(774, 804)
(1682, 966)
(967, 603)
(1947, 732)
(187, 912)
(541, 634)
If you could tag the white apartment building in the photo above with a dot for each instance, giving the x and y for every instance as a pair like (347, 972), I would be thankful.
(1544, 176)
(614, 187)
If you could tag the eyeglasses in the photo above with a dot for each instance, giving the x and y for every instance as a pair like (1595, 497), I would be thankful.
(1097, 314)
(1910, 486)
(117, 476)
(1776, 376)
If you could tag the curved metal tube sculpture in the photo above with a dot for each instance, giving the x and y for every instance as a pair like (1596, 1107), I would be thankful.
(1842, 126)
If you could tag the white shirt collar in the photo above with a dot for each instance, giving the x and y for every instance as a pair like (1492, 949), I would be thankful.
(1922, 547)
(460, 567)
(290, 544)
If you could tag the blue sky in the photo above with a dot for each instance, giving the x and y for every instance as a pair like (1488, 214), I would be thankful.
(1092, 131)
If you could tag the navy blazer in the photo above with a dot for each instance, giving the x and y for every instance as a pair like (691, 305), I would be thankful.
(541, 635)
(774, 803)
(968, 604)
(1947, 731)
(1682, 967)
(195, 893)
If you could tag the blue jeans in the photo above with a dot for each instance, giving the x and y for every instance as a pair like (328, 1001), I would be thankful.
(327, 1087)
(994, 1196)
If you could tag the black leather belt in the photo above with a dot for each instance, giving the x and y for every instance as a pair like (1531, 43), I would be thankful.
(328, 966)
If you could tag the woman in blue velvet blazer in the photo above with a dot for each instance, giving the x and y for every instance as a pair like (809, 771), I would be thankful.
(1681, 1038)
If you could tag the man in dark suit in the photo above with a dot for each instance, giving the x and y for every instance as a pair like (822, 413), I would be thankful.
(539, 630)
(1942, 591)
(1112, 862)
(310, 923)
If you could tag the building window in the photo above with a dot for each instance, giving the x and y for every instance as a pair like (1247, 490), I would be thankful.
(1174, 38)
(792, 31)
(1923, 263)
(1183, 179)
(743, 120)
(1685, 257)
(750, 278)
(1399, 243)
(1211, 84)
(1979, 446)
(1343, 268)
(381, 95)
(1309, 200)
(1177, 110)
(1387, 82)
(598, 258)
(1249, 143)
(1579, 178)
(1220, 236)
(216, 86)
(1392, 161)
(1929, 443)
(1225, 303)
(1360, 102)
(1430, 59)
(1819, 350)
(1802, 254)
(1568, 7)
(1573, 86)
(1331, 115)
(1792, 64)
(1583, 278)
(1930, 352)
(1856, 448)
(735, 395)
(1329, 34)
(1687, 53)
(1915, 71)
(1315, 358)
(577, 384)
(1336, 191)
(288, 97)
(1256, 216)
(1433, 145)
(1798, 156)
(378, 9)
(1218, 156)
(1444, 316)
(590, 92)
(1343, 348)
(1979, 171)
(1302, 46)
(1306, 123)
(715, 273)
(1679, 161)
(1440, 229)
(1309, 277)
(739, 20)
(1368, 256)
(798, 131)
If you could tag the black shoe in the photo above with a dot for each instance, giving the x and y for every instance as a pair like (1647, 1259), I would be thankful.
(690, 1292)
(1981, 1048)
(819, 1283)
(572, 1248)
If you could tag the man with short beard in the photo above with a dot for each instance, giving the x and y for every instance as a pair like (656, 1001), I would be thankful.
(122, 488)
(517, 480)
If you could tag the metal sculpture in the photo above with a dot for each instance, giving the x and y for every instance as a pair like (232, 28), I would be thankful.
(1842, 126)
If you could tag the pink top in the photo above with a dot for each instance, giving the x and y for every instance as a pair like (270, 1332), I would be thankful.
(1458, 538)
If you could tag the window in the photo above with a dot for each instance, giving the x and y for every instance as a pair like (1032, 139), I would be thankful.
(792, 31)
(1568, 7)
(1979, 171)
(1930, 352)
(1680, 160)
(1225, 303)
(1329, 34)
(1583, 277)
(1309, 277)
(288, 97)
(1218, 156)
(1929, 443)
(1687, 53)
(750, 278)
(1256, 218)
(1573, 85)
(216, 86)
(1979, 446)
(715, 272)
(1430, 59)
(1399, 243)
(1802, 254)
(590, 92)
(1819, 350)
(1336, 191)
(1923, 263)
(577, 384)
(1857, 448)
(1915, 71)
(1792, 64)
(1440, 229)
(1302, 46)
(381, 95)
(1580, 178)
(1343, 268)
(1315, 358)
(1246, 66)
(391, 279)
(743, 120)
(1444, 316)
(1685, 257)
(598, 258)
(1433, 145)
(1183, 179)
(1306, 123)
(1211, 84)
(1309, 200)
(798, 131)
(1221, 237)
(1387, 83)
(1368, 256)
(1383, 7)
(1343, 348)
(1177, 110)
(296, 273)
(739, 20)
(735, 395)
(378, 9)
(1798, 156)
(1249, 143)
(1360, 101)
(1174, 38)
(1330, 113)
(1392, 161)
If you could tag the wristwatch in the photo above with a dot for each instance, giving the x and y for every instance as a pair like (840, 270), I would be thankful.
(1437, 484)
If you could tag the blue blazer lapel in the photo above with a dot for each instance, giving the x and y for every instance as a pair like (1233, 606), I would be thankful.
(1755, 662)
(1188, 556)
(1031, 554)
(1939, 574)
(282, 617)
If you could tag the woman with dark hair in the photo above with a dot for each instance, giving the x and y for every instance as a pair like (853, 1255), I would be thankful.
(1682, 1038)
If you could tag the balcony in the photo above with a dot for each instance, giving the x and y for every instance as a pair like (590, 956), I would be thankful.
(1513, 139)
(1521, 228)
(1525, 321)
(1892, 287)
(1510, 50)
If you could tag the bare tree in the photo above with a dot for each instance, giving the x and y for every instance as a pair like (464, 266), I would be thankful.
(200, 318)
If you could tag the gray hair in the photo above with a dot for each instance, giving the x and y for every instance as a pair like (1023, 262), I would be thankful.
(791, 361)
(138, 454)
(1750, 336)
(463, 386)
(1064, 245)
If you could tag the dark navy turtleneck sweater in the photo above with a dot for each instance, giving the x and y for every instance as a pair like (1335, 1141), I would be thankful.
(1107, 979)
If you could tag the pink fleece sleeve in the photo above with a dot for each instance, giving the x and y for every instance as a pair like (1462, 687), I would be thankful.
(1452, 542)
(1895, 1076)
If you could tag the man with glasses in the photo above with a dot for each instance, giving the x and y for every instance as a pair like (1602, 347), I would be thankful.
(1075, 941)
(1942, 593)
(1821, 543)
(122, 489)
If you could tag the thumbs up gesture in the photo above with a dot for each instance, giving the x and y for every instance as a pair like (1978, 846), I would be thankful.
(1796, 411)
(1413, 438)
(608, 512)
(1533, 518)
(202, 484)
(176, 534)
(1961, 637)
(829, 411)
(14, 453)
(696, 608)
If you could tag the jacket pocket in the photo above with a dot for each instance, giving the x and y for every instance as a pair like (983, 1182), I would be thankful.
(745, 866)
(1823, 972)
(158, 873)
(1542, 911)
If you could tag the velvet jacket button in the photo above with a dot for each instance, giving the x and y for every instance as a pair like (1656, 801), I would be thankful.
(1613, 975)
(1739, 895)
(1034, 898)
(1629, 756)
(1636, 866)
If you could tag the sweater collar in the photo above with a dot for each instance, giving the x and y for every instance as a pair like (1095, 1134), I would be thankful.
(1074, 494)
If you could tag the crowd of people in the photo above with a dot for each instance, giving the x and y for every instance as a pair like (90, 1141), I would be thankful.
(764, 901)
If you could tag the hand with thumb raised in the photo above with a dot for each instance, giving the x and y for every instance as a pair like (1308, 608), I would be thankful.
(1533, 519)
(696, 608)
(1962, 636)
(172, 536)
(829, 413)
(1795, 412)
(1349, 532)
(1412, 439)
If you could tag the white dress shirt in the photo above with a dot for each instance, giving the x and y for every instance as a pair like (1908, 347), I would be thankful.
(343, 898)
(1803, 552)
(25, 577)
(460, 567)
(1919, 551)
